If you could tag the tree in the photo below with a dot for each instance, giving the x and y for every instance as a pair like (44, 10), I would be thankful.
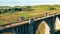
(28, 8)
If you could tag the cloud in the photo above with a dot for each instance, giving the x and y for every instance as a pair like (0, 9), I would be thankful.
(28, 2)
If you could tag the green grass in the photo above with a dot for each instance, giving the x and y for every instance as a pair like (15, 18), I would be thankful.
(1, 23)
(37, 11)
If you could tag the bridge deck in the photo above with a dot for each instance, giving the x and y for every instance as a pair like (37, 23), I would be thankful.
(24, 22)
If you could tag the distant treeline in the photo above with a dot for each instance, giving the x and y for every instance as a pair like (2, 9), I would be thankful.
(4, 9)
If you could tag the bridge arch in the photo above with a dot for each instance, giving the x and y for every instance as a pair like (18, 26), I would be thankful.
(43, 28)
(49, 22)
(57, 24)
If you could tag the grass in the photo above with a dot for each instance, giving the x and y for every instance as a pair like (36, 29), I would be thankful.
(38, 11)
(1, 23)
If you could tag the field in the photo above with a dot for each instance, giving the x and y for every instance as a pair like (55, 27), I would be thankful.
(38, 10)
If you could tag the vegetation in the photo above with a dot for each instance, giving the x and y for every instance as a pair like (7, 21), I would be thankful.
(52, 8)
(14, 9)
(12, 14)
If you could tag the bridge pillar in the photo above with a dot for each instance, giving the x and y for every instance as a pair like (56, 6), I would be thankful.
(30, 26)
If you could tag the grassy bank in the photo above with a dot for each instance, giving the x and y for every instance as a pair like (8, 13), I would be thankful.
(37, 11)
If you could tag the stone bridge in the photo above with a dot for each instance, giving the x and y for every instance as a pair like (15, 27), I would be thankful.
(40, 25)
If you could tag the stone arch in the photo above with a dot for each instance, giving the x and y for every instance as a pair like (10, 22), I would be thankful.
(57, 24)
(43, 28)
(50, 22)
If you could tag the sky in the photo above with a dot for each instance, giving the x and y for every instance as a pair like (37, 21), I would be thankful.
(27, 2)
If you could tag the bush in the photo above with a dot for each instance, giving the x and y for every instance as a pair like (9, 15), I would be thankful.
(51, 8)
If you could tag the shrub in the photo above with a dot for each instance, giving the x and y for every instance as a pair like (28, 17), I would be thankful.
(52, 8)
